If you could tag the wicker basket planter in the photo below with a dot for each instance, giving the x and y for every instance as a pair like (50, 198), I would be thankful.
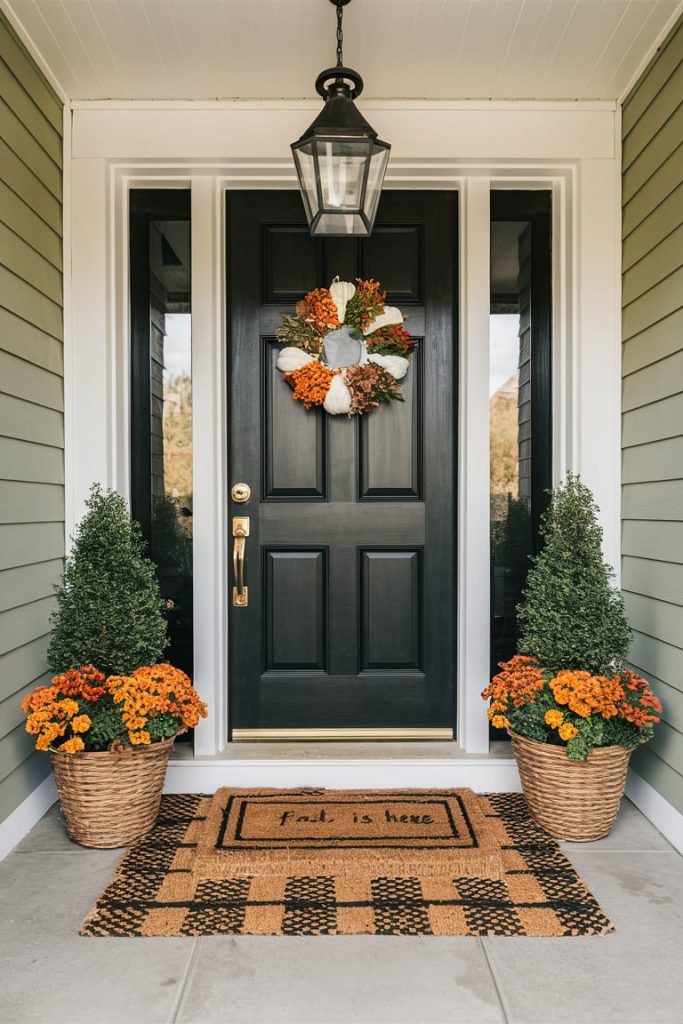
(573, 800)
(109, 798)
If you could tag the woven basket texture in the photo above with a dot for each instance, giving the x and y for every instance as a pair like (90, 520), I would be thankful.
(573, 800)
(111, 798)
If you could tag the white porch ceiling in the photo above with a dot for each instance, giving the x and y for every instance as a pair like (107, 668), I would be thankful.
(436, 49)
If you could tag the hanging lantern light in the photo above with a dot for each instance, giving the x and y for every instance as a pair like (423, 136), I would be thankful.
(339, 160)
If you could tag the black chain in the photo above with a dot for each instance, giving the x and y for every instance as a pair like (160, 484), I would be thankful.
(340, 36)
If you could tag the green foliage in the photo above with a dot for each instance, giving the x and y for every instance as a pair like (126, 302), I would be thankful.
(171, 546)
(297, 332)
(511, 538)
(110, 612)
(571, 616)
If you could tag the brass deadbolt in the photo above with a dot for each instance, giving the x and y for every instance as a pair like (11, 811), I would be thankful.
(241, 493)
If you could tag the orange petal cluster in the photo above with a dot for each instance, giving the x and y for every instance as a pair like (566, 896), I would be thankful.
(155, 690)
(319, 309)
(587, 695)
(311, 383)
(519, 682)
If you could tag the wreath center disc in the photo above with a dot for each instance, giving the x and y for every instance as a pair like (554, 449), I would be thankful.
(341, 348)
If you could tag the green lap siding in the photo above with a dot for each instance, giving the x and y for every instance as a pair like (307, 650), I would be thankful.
(652, 399)
(31, 399)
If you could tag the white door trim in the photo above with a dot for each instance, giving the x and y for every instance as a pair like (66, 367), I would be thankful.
(569, 148)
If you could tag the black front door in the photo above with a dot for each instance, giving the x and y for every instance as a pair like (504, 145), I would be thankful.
(350, 558)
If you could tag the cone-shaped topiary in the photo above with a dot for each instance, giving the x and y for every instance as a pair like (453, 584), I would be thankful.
(110, 612)
(571, 615)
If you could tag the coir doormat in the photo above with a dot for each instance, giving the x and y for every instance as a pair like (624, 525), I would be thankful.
(266, 832)
(156, 892)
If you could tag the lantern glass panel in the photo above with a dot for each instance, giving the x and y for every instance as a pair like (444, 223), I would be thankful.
(340, 224)
(378, 166)
(342, 173)
(305, 167)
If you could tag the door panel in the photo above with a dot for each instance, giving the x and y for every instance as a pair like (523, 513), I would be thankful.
(350, 558)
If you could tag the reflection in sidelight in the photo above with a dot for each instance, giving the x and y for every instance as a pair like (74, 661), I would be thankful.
(171, 425)
(510, 428)
(162, 406)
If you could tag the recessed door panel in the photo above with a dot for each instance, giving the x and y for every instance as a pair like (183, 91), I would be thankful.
(391, 610)
(294, 445)
(391, 443)
(296, 610)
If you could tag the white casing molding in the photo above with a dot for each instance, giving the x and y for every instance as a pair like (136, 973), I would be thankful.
(656, 809)
(29, 812)
(471, 147)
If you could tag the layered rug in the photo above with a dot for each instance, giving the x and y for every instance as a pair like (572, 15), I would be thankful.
(259, 862)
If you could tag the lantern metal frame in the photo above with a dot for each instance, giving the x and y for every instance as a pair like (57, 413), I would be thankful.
(339, 121)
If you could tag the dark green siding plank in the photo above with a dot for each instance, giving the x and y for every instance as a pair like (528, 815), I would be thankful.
(22, 663)
(657, 342)
(655, 266)
(30, 343)
(661, 776)
(654, 191)
(653, 383)
(29, 151)
(15, 748)
(24, 544)
(22, 782)
(20, 218)
(653, 501)
(32, 383)
(28, 264)
(30, 422)
(653, 155)
(11, 714)
(660, 111)
(24, 69)
(28, 583)
(656, 304)
(30, 114)
(30, 503)
(653, 80)
(25, 184)
(32, 463)
(23, 300)
(644, 539)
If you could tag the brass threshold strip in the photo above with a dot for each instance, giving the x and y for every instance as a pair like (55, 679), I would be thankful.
(321, 735)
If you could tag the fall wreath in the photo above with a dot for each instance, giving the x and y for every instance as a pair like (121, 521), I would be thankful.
(344, 349)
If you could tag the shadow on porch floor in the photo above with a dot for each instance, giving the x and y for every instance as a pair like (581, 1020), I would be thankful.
(632, 976)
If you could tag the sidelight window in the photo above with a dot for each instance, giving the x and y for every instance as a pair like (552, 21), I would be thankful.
(519, 399)
(161, 399)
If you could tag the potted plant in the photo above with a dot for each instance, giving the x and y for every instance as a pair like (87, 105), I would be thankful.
(112, 710)
(573, 710)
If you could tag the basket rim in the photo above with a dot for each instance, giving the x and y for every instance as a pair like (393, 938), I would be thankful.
(553, 749)
(109, 755)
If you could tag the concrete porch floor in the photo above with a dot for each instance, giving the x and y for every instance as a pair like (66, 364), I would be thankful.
(50, 973)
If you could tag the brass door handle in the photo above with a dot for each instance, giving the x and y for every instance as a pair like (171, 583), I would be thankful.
(240, 532)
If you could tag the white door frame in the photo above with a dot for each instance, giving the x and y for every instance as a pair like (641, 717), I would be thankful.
(570, 148)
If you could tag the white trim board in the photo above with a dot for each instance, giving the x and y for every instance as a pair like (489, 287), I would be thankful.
(484, 775)
(656, 809)
(29, 812)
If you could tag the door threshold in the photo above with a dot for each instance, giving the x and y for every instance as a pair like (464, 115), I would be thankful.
(338, 735)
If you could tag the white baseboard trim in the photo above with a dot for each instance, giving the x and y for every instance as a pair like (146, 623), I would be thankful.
(659, 811)
(28, 813)
(206, 776)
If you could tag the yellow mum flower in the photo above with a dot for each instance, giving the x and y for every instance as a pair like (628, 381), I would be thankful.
(72, 745)
(81, 723)
(500, 722)
(140, 737)
(554, 718)
(568, 731)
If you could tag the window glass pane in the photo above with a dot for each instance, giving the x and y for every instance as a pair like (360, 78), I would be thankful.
(161, 456)
(510, 429)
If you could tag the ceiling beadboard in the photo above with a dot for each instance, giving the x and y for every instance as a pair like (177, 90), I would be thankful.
(434, 49)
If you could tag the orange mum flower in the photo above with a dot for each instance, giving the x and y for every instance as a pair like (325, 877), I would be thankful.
(319, 309)
(311, 383)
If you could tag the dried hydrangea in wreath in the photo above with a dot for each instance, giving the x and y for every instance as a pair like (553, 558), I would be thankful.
(344, 349)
